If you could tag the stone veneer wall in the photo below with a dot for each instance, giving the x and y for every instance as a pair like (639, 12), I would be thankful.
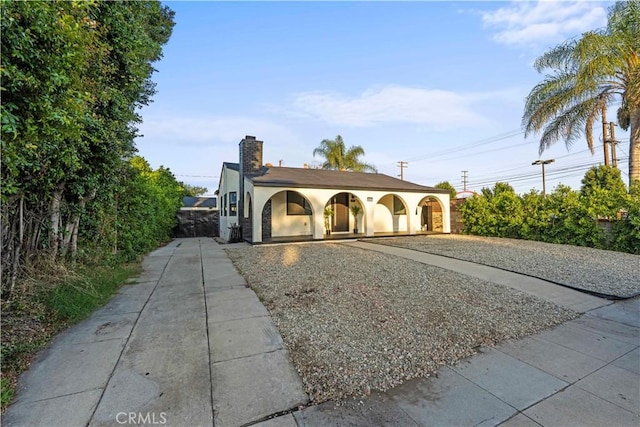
(266, 221)
(247, 226)
(250, 163)
(457, 224)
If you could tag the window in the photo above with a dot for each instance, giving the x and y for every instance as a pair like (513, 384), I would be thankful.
(233, 204)
(224, 205)
(297, 204)
(398, 206)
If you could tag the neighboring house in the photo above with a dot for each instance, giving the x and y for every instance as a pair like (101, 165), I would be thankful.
(279, 203)
(199, 203)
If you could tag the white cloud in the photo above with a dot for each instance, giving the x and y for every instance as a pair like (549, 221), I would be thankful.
(195, 147)
(207, 130)
(438, 109)
(541, 23)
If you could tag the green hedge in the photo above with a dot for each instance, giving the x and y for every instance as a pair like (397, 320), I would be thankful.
(564, 216)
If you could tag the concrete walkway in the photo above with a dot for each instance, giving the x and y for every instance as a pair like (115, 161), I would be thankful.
(190, 345)
(570, 298)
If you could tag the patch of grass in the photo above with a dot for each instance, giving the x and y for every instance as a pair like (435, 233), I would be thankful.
(6, 391)
(76, 299)
(46, 306)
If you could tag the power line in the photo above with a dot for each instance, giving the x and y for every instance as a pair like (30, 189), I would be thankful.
(553, 173)
(501, 173)
(467, 146)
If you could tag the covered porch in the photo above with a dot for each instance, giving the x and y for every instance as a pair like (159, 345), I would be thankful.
(276, 214)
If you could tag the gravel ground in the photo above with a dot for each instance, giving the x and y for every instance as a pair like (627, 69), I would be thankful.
(356, 321)
(609, 273)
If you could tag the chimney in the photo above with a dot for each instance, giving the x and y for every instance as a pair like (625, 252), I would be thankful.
(250, 156)
(250, 163)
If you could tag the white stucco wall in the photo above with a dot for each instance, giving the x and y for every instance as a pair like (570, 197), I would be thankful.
(229, 182)
(287, 225)
(373, 218)
(385, 220)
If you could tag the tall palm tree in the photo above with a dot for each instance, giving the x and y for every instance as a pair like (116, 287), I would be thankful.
(588, 75)
(338, 157)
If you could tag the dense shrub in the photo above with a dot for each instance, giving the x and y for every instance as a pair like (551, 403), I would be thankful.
(564, 216)
(74, 76)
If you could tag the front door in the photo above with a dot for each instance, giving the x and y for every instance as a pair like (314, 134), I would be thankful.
(341, 212)
(427, 218)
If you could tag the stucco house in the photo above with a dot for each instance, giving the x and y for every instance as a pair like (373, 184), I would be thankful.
(263, 203)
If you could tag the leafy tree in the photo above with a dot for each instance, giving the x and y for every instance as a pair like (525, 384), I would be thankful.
(603, 191)
(535, 221)
(446, 185)
(193, 190)
(74, 75)
(495, 212)
(570, 220)
(626, 231)
(564, 216)
(147, 201)
(338, 157)
(477, 216)
(586, 76)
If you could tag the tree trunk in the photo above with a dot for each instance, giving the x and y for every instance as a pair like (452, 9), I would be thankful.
(66, 238)
(74, 238)
(54, 239)
(76, 226)
(37, 223)
(634, 146)
(18, 248)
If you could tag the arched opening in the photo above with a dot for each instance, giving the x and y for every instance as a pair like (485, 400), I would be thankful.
(391, 215)
(344, 213)
(287, 214)
(431, 215)
(339, 213)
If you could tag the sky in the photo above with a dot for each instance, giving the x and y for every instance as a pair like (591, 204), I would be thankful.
(439, 85)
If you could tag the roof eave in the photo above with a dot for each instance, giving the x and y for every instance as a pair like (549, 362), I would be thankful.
(348, 187)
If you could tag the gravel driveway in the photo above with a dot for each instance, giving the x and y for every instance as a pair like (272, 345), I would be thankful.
(356, 321)
(608, 273)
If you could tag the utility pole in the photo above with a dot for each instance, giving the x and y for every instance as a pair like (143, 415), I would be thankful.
(543, 162)
(612, 139)
(402, 165)
(605, 141)
(464, 180)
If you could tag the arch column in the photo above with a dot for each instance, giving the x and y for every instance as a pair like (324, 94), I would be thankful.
(318, 220)
(369, 227)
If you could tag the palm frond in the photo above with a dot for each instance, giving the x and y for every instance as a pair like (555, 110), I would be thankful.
(569, 125)
(338, 157)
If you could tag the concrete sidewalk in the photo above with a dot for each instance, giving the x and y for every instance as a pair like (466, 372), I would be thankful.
(190, 344)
